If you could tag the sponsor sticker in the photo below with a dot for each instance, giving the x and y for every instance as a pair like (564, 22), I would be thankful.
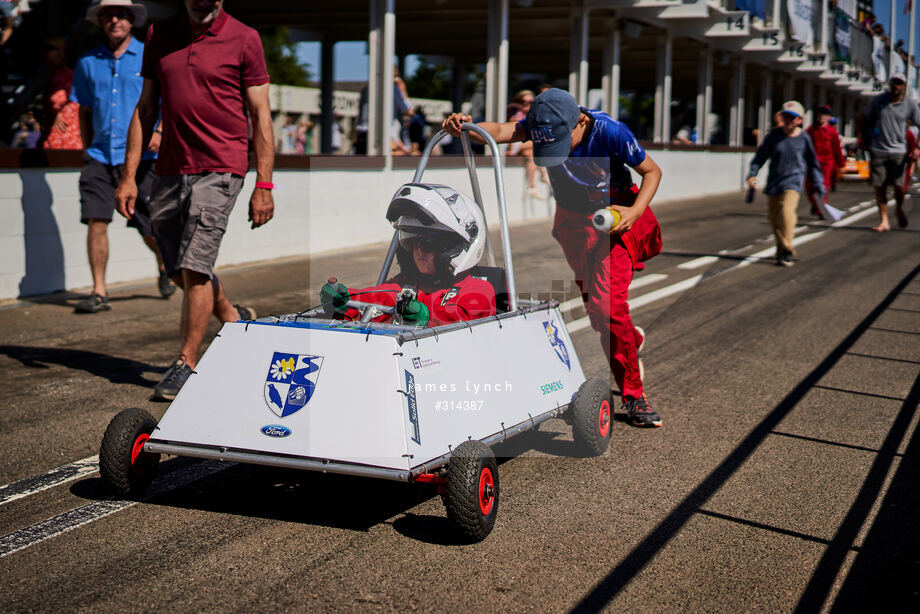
(291, 382)
(558, 345)
(420, 363)
(452, 292)
(275, 430)
(412, 407)
(552, 387)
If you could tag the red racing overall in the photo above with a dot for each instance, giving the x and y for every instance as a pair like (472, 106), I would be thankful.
(596, 175)
(466, 298)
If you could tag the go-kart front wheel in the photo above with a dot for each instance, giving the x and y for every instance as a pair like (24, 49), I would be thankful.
(592, 417)
(126, 469)
(472, 490)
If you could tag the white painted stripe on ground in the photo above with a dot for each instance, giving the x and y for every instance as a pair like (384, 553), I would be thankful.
(646, 280)
(68, 521)
(697, 263)
(665, 292)
(645, 299)
(55, 477)
(637, 282)
(570, 304)
(770, 251)
(576, 325)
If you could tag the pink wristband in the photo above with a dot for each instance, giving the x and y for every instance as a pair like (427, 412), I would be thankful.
(265, 185)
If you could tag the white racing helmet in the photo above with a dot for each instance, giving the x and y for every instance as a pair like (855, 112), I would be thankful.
(449, 222)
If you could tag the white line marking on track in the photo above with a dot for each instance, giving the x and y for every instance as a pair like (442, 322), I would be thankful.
(766, 253)
(55, 477)
(637, 282)
(697, 263)
(68, 521)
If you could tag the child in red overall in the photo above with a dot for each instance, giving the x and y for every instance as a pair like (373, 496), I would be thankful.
(586, 154)
(826, 140)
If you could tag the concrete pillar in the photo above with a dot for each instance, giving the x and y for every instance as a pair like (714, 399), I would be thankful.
(704, 96)
(662, 130)
(610, 82)
(736, 112)
(578, 53)
(765, 111)
(788, 88)
(381, 48)
(822, 29)
(497, 63)
(326, 91)
(892, 38)
(808, 101)
(850, 128)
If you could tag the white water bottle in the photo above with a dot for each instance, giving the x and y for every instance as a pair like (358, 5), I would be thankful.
(605, 219)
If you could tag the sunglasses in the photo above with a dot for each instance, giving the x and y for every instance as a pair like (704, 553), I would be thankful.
(120, 14)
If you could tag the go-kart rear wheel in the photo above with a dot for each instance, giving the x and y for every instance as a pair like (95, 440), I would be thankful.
(125, 467)
(592, 417)
(472, 490)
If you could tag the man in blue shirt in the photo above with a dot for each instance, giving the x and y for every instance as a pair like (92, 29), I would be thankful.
(107, 85)
(587, 155)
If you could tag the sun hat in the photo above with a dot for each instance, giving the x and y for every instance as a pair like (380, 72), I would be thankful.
(550, 121)
(139, 10)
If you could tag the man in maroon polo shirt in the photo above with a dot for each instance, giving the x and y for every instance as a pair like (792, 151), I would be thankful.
(202, 69)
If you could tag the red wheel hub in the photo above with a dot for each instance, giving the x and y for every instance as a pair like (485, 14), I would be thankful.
(138, 446)
(486, 491)
(603, 418)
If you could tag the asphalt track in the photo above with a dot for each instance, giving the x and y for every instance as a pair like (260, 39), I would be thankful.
(784, 478)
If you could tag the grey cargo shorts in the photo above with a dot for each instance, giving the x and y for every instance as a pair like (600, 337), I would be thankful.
(189, 216)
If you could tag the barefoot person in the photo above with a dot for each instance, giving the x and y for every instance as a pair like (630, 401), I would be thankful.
(883, 132)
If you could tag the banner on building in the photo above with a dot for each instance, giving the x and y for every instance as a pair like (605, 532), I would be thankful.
(841, 36)
(800, 21)
(757, 8)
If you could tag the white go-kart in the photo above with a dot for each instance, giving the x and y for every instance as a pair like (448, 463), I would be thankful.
(390, 401)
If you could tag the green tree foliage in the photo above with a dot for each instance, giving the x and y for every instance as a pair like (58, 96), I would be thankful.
(281, 57)
(433, 80)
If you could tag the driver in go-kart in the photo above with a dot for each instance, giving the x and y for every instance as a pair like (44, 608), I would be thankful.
(441, 236)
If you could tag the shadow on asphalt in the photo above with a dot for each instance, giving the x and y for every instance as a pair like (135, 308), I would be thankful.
(877, 568)
(116, 370)
(885, 575)
(335, 501)
(70, 299)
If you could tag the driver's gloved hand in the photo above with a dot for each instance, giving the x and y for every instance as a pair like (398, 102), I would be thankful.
(414, 312)
(334, 297)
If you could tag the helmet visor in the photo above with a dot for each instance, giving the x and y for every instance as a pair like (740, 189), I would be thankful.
(441, 243)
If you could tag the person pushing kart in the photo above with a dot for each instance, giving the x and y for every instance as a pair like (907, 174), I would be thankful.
(441, 237)
(587, 155)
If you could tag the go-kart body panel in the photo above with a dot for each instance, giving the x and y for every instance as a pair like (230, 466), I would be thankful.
(475, 382)
(353, 396)
(354, 412)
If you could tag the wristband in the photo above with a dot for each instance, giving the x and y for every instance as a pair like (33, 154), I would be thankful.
(265, 185)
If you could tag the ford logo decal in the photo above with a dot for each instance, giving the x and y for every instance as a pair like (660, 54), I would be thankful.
(275, 430)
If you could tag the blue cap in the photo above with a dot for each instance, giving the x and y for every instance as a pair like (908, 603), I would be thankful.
(550, 121)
